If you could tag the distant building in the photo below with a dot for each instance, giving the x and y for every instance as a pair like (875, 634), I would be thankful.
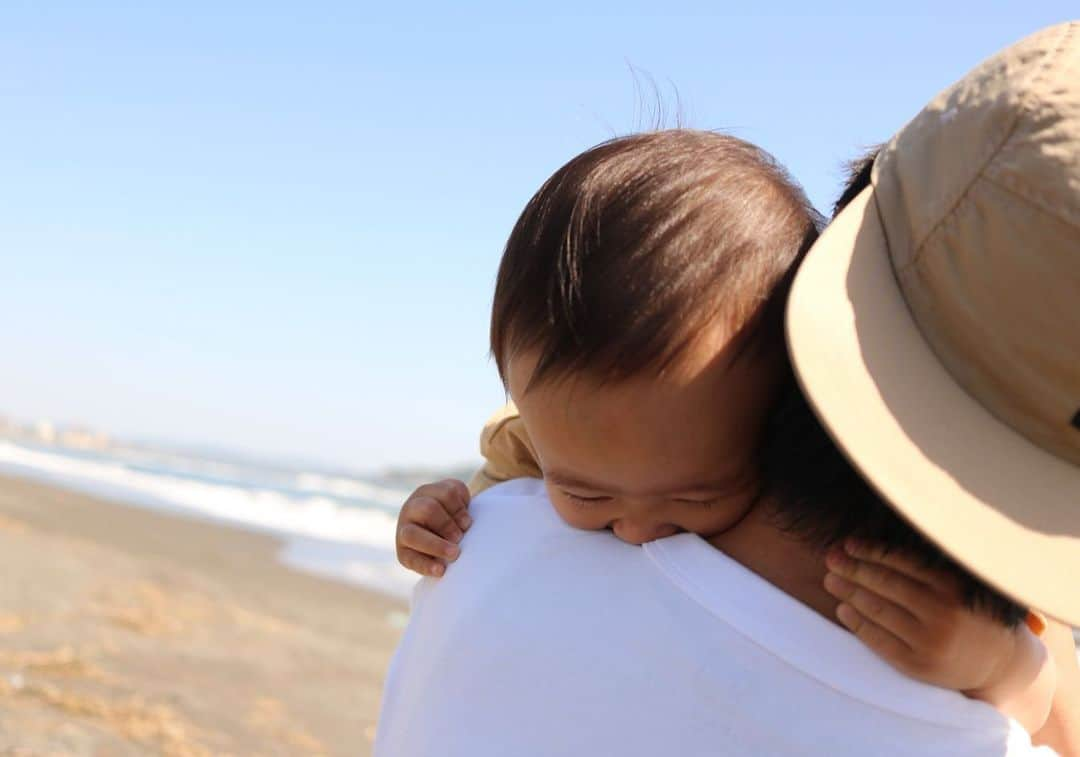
(45, 431)
(82, 438)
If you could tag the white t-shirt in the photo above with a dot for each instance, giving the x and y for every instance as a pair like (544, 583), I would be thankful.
(546, 640)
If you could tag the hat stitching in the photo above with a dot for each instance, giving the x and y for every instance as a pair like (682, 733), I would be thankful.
(910, 269)
(883, 163)
(992, 151)
(1065, 214)
(1008, 132)
(1009, 181)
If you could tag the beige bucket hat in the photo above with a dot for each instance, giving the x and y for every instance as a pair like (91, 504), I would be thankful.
(935, 326)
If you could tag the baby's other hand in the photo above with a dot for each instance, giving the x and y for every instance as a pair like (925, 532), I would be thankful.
(916, 619)
(432, 521)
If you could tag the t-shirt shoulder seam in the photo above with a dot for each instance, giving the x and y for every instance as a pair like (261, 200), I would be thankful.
(676, 575)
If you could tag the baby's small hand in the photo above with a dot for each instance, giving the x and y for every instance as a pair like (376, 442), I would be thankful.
(915, 618)
(431, 523)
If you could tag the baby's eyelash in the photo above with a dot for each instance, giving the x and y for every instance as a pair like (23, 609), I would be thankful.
(583, 501)
(706, 503)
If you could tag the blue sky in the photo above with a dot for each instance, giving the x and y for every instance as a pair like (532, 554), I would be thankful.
(274, 227)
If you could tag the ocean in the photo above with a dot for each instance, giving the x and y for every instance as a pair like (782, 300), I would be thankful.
(332, 525)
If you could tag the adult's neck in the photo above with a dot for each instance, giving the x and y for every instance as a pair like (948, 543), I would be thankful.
(780, 558)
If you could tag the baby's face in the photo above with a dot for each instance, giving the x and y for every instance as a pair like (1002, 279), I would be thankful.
(651, 456)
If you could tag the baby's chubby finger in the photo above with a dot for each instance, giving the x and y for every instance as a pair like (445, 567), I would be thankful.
(879, 639)
(464, 520)
(415, 537)
(432, 514)
(422, 564)
(899, 561)
(882, 580)
(884, 613)
(453, 498)
(460, 492)
(451, 492)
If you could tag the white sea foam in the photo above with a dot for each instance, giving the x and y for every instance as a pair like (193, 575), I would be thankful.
(349, 487)
(351, 540)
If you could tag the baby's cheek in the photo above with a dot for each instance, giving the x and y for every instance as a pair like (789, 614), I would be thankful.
(575, 516)
(584, 521)
(722, 516)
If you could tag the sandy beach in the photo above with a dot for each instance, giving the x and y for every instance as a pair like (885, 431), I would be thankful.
(130, 632)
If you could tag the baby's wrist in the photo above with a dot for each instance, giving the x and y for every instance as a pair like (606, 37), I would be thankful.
(1019, 665)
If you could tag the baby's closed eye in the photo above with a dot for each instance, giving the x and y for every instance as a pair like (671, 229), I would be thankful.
(703, 502)
(583, 500)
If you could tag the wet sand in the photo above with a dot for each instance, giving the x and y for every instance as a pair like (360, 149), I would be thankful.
(129, 632)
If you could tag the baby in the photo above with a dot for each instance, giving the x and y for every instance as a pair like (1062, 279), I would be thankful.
(638, 326)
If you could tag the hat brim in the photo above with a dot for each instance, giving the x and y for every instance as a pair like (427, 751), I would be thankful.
(1000, 505)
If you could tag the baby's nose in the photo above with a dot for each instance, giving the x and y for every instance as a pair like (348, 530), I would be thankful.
(635, 532)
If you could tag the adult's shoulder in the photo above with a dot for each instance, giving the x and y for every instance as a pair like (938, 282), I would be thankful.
(510, 521)
(518, 550)
(520, 507)
(527, 488)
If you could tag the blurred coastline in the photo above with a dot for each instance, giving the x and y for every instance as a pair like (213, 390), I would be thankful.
(335, 523)
(130, 631)
(166, 600)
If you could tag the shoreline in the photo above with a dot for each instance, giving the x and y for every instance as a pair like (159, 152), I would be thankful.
(124, 630)
(338, 528)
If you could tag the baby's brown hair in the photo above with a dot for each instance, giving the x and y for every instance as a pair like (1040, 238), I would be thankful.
(633, 247)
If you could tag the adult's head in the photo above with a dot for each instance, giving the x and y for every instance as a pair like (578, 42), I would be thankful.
(638, 323)
(935, 327)
(814, 492)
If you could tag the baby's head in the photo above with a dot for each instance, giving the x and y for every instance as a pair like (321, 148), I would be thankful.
(638, 325)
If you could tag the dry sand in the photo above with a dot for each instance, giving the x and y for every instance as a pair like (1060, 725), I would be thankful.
(129, 632)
